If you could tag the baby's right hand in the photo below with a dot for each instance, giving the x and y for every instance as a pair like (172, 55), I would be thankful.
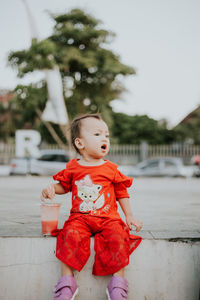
(48, 193)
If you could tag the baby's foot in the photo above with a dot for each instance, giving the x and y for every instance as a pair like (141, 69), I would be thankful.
(117, 288)
(66, 288)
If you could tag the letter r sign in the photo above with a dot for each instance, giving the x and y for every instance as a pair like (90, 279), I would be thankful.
(27, 142)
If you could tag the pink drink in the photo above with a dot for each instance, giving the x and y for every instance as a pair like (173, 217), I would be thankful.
(49, 226)
(49, 217)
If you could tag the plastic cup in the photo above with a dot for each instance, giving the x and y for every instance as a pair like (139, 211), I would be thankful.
(49, 217)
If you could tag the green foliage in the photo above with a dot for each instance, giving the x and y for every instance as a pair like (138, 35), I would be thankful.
(78, 28)
(28, 98)
(77, 46)
(135, 129)
(90, 74)
(39, 56)
(22, 111)
(77, 16)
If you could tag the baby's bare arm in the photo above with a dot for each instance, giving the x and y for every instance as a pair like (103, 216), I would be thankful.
(50, 191)
(130, 220)
(59, 189)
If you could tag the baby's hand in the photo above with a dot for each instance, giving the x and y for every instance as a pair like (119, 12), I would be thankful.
(48, 193)
(130, 220)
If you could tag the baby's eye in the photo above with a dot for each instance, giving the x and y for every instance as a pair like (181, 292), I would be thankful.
(97, 134)
(107, 136)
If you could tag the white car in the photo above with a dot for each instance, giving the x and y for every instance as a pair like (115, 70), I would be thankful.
(49, 163)
(166, 166)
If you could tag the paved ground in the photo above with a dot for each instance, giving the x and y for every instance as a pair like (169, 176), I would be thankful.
(168, 207)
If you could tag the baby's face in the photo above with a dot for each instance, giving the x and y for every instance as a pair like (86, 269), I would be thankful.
(95, 137)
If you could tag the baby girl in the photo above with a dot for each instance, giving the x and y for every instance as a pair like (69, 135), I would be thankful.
(96, 185)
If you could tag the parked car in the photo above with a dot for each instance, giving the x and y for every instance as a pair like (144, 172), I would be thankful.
(166, 166)
(48, 163)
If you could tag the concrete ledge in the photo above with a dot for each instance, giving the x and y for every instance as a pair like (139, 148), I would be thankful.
(28, 230)
(166, 265)
(159, 270)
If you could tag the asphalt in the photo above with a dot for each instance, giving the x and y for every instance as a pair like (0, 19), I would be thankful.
(168, 207)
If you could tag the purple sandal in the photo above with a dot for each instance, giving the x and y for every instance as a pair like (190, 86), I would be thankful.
(66, 288)
(117, 288)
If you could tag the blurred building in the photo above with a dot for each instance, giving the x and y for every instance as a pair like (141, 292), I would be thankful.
(5, 97)
(192, 117)
(189, 127)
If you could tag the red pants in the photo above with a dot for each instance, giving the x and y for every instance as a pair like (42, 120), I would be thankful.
(112, 243)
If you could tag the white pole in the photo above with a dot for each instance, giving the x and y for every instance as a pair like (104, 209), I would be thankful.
(34, 32)
(55, 110)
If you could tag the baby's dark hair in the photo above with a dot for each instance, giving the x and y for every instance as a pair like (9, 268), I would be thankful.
(76, 127)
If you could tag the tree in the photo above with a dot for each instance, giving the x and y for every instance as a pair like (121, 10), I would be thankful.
(135, 129)
(29, 102)
(90, 72)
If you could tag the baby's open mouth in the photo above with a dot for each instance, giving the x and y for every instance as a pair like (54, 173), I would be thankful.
(104, 146)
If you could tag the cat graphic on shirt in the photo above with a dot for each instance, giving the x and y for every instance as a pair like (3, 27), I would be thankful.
(89, 193)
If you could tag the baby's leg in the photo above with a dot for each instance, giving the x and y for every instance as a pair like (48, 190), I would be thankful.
(73, 250)
(66, 270)
(73, 245)
(112, 249)
(119, 273)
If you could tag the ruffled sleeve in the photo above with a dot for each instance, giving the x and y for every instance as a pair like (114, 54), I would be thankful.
(121, 183)
(65, 178)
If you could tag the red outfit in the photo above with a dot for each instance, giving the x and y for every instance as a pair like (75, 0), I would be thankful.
(95, 190)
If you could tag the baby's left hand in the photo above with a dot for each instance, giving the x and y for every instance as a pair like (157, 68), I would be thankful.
(130, 220)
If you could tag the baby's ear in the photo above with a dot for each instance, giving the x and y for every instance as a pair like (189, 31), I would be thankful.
(79, 144)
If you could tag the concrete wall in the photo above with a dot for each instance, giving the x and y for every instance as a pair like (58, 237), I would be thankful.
(158, 270)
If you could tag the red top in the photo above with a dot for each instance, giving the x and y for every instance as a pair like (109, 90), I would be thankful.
(95, 189)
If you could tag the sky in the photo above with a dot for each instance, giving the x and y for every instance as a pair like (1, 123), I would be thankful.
(160, 39)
